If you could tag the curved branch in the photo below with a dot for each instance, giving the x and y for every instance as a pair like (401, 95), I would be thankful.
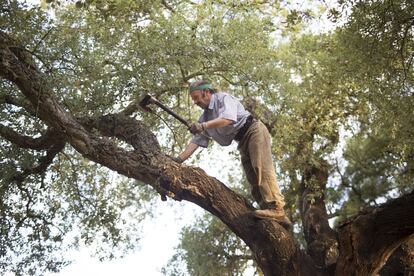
(7, 99)
(401, 261)
(194, 185)
(367, 240)
(44, 162)
(23, 141)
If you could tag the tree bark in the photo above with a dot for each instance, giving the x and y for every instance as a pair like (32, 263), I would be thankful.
(401, 261)
(367, 240)
(320, 237)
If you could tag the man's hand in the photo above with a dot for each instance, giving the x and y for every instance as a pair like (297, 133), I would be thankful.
(176, 159)
(196, 128)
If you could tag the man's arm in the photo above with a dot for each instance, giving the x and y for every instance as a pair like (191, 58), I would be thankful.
(191, 147)
(197, 127)
(216, 123)
(189, 150)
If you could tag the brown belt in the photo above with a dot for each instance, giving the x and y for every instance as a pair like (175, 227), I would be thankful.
(249, 121)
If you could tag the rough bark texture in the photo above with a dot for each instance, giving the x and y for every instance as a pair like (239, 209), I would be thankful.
(367, 240)
(401, 262)
(274, 248)
(321, 239)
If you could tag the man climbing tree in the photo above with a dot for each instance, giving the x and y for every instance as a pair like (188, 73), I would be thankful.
(225, 119)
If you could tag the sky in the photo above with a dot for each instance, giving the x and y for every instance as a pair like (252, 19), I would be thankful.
(160, 236)
(161, 233)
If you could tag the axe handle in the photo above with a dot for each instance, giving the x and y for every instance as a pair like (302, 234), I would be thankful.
(172, 113)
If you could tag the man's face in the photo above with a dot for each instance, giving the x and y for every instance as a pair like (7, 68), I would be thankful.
(201, 98)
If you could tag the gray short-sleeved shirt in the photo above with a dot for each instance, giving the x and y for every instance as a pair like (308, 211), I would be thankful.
(222, 105)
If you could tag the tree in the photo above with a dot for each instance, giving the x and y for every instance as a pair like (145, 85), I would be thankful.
(58, 114)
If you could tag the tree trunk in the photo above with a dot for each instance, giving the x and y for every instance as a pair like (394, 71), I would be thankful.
(320, 237)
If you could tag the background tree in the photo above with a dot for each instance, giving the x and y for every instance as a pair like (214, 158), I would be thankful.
(69, 117)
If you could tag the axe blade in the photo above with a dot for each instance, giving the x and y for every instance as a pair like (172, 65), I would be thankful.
(148, 99)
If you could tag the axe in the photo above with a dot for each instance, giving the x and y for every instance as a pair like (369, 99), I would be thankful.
(148, 99)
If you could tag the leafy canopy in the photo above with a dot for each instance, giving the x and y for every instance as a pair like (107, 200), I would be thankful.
(342, 99)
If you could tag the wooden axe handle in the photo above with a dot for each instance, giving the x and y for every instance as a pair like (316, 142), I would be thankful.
(150, 99)
(169, 111)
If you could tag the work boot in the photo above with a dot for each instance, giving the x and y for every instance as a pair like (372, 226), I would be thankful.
(274, 214)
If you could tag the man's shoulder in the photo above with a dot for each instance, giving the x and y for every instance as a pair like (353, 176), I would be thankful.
(222, 95)
(219, 101)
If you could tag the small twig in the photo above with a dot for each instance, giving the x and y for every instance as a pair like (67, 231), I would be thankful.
(43, 38)
(165, 4)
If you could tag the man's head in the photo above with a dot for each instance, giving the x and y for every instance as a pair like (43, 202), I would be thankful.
(200, 92)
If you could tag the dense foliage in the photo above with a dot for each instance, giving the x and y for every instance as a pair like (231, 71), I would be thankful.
(340, 101)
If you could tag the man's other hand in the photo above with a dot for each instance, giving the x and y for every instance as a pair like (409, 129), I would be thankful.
(176, 159)
(196, 128)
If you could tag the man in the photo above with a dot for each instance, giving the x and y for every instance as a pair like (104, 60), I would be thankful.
(224, 119)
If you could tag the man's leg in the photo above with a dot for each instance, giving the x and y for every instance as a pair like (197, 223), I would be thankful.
(255, 150)
(251, 177)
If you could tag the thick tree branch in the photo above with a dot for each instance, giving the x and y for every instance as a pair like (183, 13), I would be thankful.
(192, 184)
(7, 99)
(44, 162)
(42, 143)
(367, 240)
